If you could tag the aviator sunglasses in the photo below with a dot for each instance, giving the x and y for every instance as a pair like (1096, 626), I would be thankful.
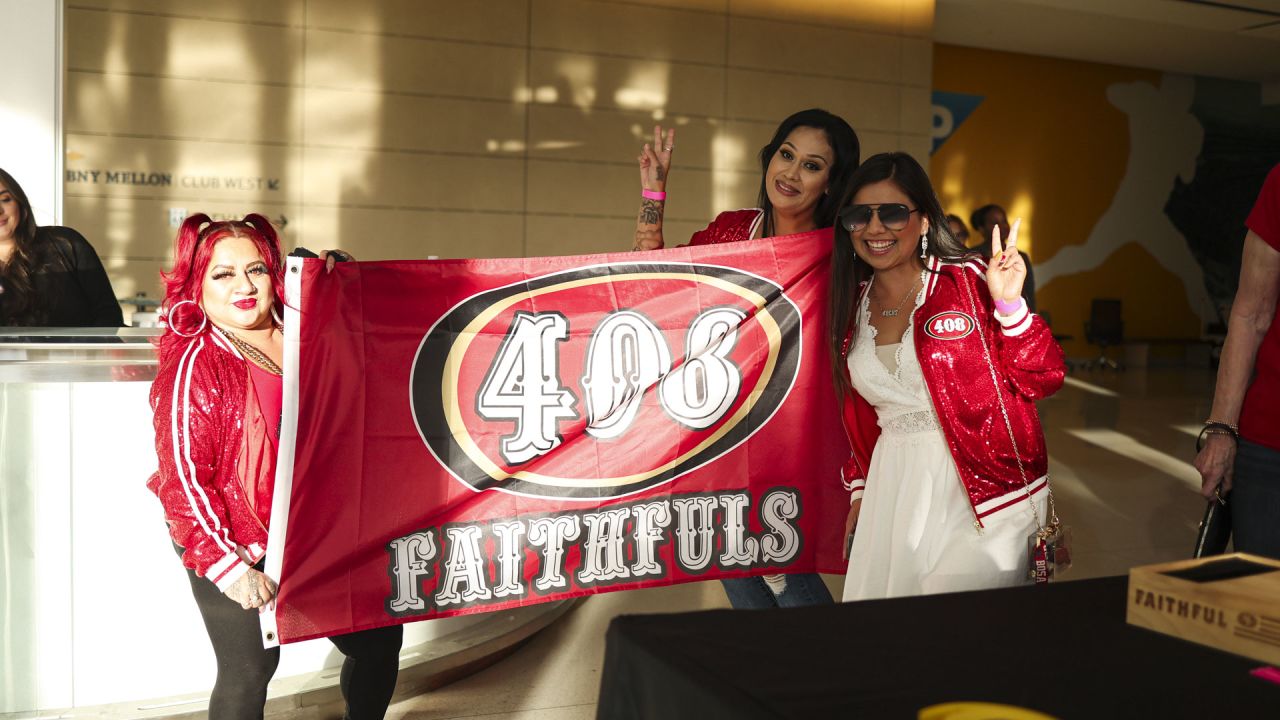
(893, 216)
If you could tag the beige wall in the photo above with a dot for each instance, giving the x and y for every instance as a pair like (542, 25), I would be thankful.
(403, 128)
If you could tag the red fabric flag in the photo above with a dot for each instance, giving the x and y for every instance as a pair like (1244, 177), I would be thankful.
(472, 435)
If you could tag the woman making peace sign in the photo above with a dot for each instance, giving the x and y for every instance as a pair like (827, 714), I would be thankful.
(938, 362)
(803, 172)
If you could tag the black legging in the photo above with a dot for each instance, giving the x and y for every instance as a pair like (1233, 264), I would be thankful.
(245, 667)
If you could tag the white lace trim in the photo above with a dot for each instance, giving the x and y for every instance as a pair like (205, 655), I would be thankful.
(912, 422)
(902, 390)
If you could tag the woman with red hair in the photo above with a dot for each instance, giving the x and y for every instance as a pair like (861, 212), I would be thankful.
(217, 399)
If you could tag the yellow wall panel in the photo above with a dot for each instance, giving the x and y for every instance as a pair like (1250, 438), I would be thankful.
(914, 111)
(832, 51)
(365, 119)
(411, 180)
(658, 33)
(178, 108)
(614, 136)
(563, 235)
(413, 65)
(909, 17)
(491, 21)
(714, 6)
(873, 143)
(286, 12)
(132, 44)
(597, 189)
(382, 234)
(577, 188)
(771, 96)
(918, 146)
(917, 62)
(587, 81)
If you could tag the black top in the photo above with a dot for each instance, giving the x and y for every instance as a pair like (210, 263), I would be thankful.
(70, 284)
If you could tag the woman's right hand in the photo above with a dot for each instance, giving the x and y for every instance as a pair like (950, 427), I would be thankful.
(655, 159)
(1216, 463)
(252, 590)
(850, 524)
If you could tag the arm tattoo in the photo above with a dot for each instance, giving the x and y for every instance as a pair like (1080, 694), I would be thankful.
(650, 212)
(661, 174)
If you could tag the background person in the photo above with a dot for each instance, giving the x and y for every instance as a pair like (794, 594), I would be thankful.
(804, 168)
(1246, 459)
(49, 276)
(988, 218)
(217, 399)
(959, 230)
(935, 350)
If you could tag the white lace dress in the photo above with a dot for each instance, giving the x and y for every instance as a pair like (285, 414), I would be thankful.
(916, 532)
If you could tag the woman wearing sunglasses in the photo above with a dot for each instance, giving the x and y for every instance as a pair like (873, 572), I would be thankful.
(938, 361)
(803, 170)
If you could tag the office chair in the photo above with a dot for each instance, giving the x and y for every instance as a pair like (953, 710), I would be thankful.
(1104, 328)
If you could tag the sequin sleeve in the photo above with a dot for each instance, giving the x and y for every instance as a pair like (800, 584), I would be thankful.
(189, 399)
(1031, 361)
(729, 226)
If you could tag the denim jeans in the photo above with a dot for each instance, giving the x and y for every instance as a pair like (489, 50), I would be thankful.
(1255, 500)
(753, 593)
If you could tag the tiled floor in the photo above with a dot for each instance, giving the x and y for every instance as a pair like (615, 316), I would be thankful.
(1120, 448)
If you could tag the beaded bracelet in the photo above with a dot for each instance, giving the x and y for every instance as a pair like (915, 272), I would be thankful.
(1217, 428)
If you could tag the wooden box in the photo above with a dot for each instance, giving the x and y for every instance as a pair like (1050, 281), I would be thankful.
(1228, 602)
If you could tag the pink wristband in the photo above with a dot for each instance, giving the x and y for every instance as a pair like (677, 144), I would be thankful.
(653, 195)
(1009, 308)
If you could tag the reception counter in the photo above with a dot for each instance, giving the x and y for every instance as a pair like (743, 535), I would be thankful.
(95, 608)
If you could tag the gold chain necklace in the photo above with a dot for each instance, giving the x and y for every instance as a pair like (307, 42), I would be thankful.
(258, 357)
(894, 312)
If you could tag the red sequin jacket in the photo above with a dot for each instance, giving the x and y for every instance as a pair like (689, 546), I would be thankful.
(729, 226)
(217, 463)
(956, 318)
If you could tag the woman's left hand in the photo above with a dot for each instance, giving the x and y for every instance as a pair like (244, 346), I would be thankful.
(333, 257)
(1006, 272)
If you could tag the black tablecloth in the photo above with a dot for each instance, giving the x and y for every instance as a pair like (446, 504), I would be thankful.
(1064, 650)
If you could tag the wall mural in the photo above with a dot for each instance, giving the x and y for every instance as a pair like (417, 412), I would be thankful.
(1132, 184)
(1164, 141)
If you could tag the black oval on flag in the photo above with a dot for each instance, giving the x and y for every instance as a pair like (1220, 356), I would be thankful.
(603, 381)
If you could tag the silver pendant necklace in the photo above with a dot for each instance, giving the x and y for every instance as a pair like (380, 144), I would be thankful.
(893, 312)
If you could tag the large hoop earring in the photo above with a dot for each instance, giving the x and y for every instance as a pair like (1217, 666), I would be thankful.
(275, 316)
(169, 318)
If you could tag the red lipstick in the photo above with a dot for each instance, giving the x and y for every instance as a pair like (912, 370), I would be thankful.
(246, 304)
